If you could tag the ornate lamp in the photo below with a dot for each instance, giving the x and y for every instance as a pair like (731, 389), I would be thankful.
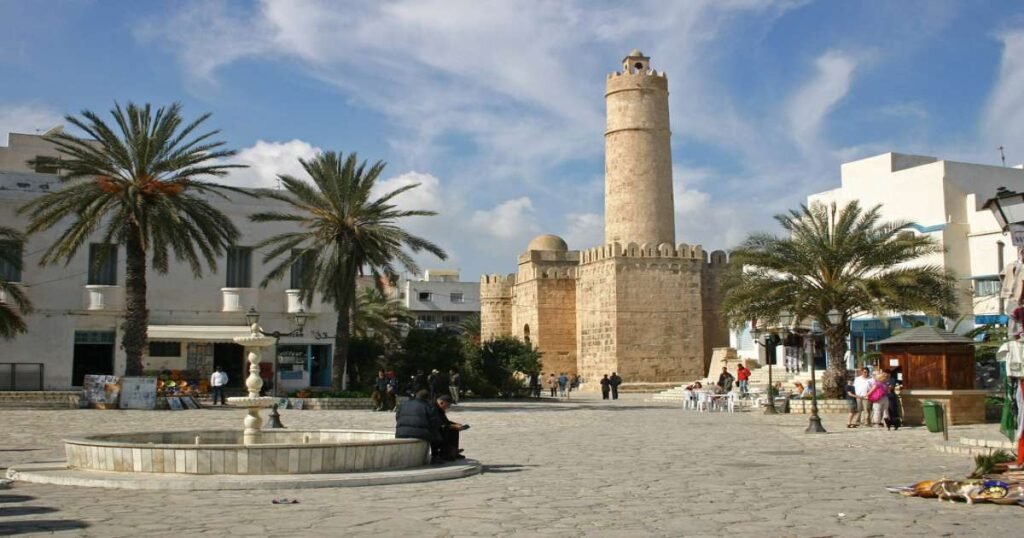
(1008, 208)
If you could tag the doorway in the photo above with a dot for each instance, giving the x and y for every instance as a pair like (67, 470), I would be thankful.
(231, 359)
(93, 355)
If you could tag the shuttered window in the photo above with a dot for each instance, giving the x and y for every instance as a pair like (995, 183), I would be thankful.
(239, 267)
(102, 264)
(298, 271)
(10, 261)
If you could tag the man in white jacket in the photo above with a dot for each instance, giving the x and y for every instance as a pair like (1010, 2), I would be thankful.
(217, 381)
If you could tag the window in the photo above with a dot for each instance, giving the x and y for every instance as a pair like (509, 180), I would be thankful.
(426, 317)
(10, 261)
(425, 296)
(46, 165)
(448, 318)
(983, 288)
(165, 349)
(298, 272)
(239, 267)
(457, 297)
(102, 264)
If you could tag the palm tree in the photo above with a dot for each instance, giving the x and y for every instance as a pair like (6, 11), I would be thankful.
(343, 232)
(11, 323)
(469, 330)
(844, 261)
(141, 186)
(380, 316)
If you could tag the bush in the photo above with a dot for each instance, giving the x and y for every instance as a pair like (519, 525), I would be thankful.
(494, 365)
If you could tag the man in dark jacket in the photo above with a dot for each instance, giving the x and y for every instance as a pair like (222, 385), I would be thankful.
(447, 448)
(416, 419)
(615, 381)
(605, 386)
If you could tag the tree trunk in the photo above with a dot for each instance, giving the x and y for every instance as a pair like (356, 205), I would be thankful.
(834, 379)
(136, 323)
(341, 345)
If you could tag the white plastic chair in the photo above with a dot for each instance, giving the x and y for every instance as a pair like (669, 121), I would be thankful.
(703, 402)
(688, 399)
(729, 403)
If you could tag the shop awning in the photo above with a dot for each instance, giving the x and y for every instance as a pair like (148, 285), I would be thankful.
(210, 333)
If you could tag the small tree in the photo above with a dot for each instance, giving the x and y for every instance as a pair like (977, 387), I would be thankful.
(498, 360)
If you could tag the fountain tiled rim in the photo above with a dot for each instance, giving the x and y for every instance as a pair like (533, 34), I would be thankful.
(97, 440)
(57, 474)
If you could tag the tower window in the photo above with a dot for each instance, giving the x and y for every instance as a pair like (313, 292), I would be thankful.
(638, 65)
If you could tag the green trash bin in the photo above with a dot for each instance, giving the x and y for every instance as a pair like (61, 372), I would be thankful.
(933, 415)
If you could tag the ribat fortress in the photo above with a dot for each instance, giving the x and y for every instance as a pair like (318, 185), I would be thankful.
(640, 305)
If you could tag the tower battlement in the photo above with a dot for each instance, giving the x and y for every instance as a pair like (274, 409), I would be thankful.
(682, 251)
(498, 280)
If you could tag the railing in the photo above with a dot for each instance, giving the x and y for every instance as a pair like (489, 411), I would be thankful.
(21, 376)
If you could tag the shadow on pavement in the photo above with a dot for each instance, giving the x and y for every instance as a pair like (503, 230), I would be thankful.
(15, 498)
(512, 468)
(10, 528)
(26, 510)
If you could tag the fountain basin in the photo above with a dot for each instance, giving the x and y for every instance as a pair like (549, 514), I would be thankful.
(222, 452)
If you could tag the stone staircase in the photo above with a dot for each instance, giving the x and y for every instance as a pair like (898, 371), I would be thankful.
(973, 447)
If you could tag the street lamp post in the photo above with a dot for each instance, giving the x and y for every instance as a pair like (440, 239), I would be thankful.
(814, 423)
(252, 317)
(770, 408)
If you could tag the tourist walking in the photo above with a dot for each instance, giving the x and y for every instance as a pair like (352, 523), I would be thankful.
(851, 402)
(615, 381)
(879, 398)
(743, 378)
(725, 380)
(605, 386)
(217, 381)
(861, 386)
(454, 384)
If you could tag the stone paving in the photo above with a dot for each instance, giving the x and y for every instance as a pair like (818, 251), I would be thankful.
(581, 468)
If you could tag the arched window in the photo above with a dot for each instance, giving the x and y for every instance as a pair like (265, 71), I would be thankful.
(526, 333)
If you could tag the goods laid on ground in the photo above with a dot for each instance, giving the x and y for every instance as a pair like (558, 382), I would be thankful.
(996, 483)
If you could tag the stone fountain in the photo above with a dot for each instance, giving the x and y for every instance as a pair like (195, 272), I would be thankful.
(253, 342)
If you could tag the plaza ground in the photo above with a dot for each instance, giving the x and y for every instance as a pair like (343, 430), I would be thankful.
(586, 467)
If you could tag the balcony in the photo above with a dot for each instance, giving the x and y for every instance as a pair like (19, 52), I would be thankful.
(294, 304)
(100, 297)
(239, 299)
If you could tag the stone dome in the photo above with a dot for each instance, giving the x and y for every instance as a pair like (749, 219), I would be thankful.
(548, 242)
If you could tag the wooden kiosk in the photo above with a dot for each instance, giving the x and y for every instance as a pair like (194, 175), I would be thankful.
(935, 364)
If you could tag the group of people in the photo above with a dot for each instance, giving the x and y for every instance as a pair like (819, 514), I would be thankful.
(426, 418)
(386, 389)
(610, 385)
(557, 385)
(873, 400)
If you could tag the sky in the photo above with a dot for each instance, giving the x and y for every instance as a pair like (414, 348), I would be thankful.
(496, 108)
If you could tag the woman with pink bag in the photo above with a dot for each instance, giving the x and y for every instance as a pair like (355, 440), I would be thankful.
(878, 395)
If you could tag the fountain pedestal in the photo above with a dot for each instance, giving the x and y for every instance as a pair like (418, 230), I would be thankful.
(254, 402)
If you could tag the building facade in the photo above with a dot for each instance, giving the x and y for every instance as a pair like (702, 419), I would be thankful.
(75, 328)
(639, 305)
(439, 299)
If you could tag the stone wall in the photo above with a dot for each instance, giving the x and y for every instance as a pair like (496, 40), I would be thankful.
(544, 304)
(641, 313)
(495, 306)
(70, 399)
(716, 328)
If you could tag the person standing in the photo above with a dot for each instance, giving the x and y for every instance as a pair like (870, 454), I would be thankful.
(878, 395)
(851, 402)
(725, 380)
(563, 384)
(605, 386)
(392, 390)
(535, 385)
(217, 381)
(615, 381)
(433, 381)
(380, 391)
(454, 382)
(553, 385)
(743, 377)
(861, 386)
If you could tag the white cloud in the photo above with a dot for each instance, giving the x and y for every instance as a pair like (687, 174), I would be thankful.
(266, 160)
(426, 196)
(512, 219)
(812, 103)
(584, 230)
(27, 119)
(1003, 122)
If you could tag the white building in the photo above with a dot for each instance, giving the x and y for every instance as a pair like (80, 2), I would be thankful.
(76, 326)
(944, 200)
(439, 299)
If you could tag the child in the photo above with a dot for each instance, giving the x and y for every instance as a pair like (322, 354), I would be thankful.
(851, 401)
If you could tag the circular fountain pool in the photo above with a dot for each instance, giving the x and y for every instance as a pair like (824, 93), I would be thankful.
(223, 452)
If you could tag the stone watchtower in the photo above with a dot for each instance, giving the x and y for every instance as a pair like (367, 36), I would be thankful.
(638, 156)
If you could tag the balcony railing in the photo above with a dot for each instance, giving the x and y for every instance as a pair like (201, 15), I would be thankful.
(102, 297)
(294, 304)
(239, 299)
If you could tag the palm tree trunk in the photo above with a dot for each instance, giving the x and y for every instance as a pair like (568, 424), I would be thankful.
(341, 345)
(136, 322)
(834, 378)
